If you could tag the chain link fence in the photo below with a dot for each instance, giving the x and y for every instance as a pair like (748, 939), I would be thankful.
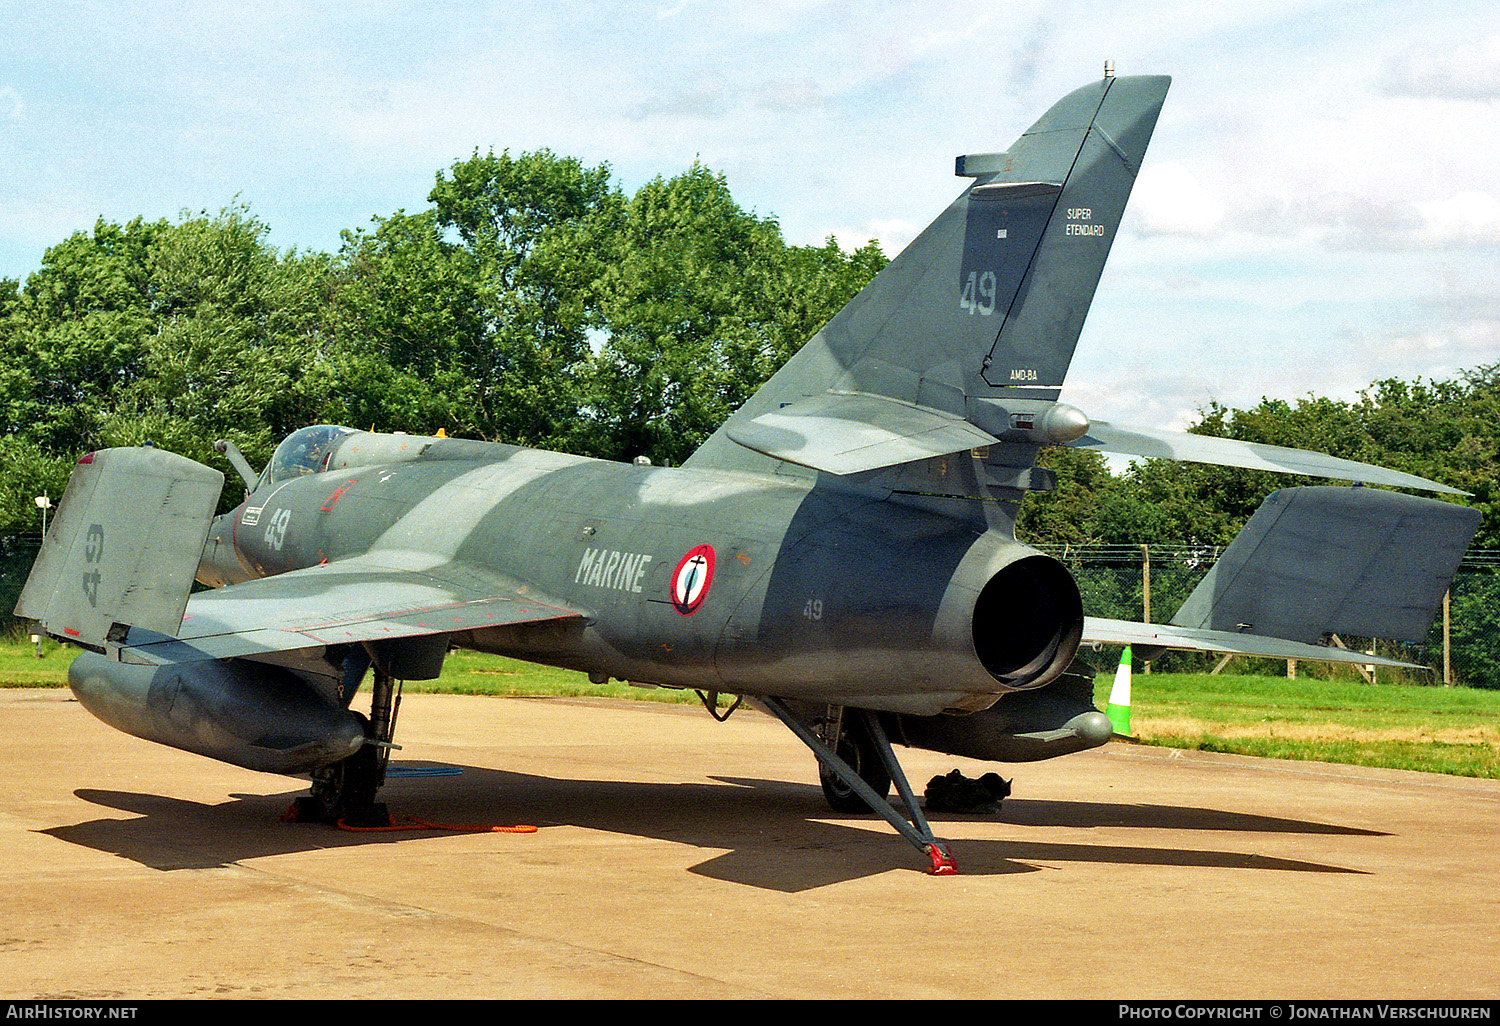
(1149, 583)
(1138, 582)
(17, 553)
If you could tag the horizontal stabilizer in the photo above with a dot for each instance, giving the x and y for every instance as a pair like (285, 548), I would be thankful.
(849, 432)
(124, 546)
(1313, 561)
(1229, 452)
(1098, 631)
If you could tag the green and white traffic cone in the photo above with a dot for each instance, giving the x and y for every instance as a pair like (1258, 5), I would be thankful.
(1119, 697)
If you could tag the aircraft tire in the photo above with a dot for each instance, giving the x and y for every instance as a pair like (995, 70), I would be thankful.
(858, 750)
(348, 786)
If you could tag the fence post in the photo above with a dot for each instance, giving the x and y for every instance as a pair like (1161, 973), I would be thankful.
(1146, 595)
(1447, 641)
(1363, 671)
(1146, 583)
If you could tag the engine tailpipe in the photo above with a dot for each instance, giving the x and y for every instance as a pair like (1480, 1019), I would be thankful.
(1027, 622)
(248, 714)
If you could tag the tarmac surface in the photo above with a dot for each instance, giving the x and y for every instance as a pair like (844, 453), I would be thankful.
(677, 857)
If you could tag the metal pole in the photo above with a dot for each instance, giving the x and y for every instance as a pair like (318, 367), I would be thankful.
(1146, 595)
(1447, 640)
(43, 503)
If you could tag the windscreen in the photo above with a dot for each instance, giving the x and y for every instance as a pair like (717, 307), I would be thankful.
(303, 452)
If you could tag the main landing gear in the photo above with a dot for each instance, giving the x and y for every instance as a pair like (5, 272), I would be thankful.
(853, 743)
(863, 786)
(344, 793)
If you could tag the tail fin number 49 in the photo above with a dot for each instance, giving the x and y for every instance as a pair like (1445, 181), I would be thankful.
(978, 296)
(93, 553)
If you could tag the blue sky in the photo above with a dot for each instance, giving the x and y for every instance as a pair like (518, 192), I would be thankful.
(1320, 207)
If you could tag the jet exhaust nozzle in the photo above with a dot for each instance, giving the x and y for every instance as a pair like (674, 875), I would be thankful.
(1028, 621)
(254, 715)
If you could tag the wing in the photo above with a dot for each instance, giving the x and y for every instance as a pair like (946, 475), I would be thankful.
(1099, 631)
(849, 432)
(373, 597)
(1315, 561)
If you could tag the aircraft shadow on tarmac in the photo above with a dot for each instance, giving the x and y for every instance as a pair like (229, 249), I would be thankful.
(773, 834)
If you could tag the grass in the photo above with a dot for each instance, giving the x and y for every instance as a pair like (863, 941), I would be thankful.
(474, 673)
(20, 668)
(1398, 726)
(464, 673)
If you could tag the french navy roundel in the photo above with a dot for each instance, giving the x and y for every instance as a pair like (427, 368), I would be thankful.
(691, 579)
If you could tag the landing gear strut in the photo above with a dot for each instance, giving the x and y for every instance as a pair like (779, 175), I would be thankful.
(917, 831)
(853, 743)
(345, 792)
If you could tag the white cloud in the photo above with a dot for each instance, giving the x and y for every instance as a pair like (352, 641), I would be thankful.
(1466, 71)
(1168, 200)
(1334, 219)
(1441, 352)
(1469, 218)
(1345, 220)
(11, 107)
(893, 235)
(1130, 396)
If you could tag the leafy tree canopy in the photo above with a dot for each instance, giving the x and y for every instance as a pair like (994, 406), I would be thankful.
(534, 301)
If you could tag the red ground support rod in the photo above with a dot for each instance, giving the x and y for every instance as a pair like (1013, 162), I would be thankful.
(942, 862)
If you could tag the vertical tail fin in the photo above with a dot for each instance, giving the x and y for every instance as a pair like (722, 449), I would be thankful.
(986, 304)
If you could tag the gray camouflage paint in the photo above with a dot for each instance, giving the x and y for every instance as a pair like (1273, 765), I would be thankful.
(816, 590)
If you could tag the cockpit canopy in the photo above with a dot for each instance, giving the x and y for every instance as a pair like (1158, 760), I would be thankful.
(303, 452)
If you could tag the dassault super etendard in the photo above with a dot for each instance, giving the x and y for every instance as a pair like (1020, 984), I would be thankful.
(841, 552)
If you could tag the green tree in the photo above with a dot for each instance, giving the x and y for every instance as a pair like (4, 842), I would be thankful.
(685, 302)
(236, 336)
(409, 321)
(75, 333)
(534, 228)
(1446, 431)
(1069, 515)
(475, 315)
(173, 333)
(701, 302)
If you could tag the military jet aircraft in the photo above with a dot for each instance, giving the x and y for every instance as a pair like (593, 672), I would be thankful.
(841, 553)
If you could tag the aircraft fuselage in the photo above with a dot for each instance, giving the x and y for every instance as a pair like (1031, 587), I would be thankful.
(735, 582)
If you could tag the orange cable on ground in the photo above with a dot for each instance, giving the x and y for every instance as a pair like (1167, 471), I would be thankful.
(412, 823)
